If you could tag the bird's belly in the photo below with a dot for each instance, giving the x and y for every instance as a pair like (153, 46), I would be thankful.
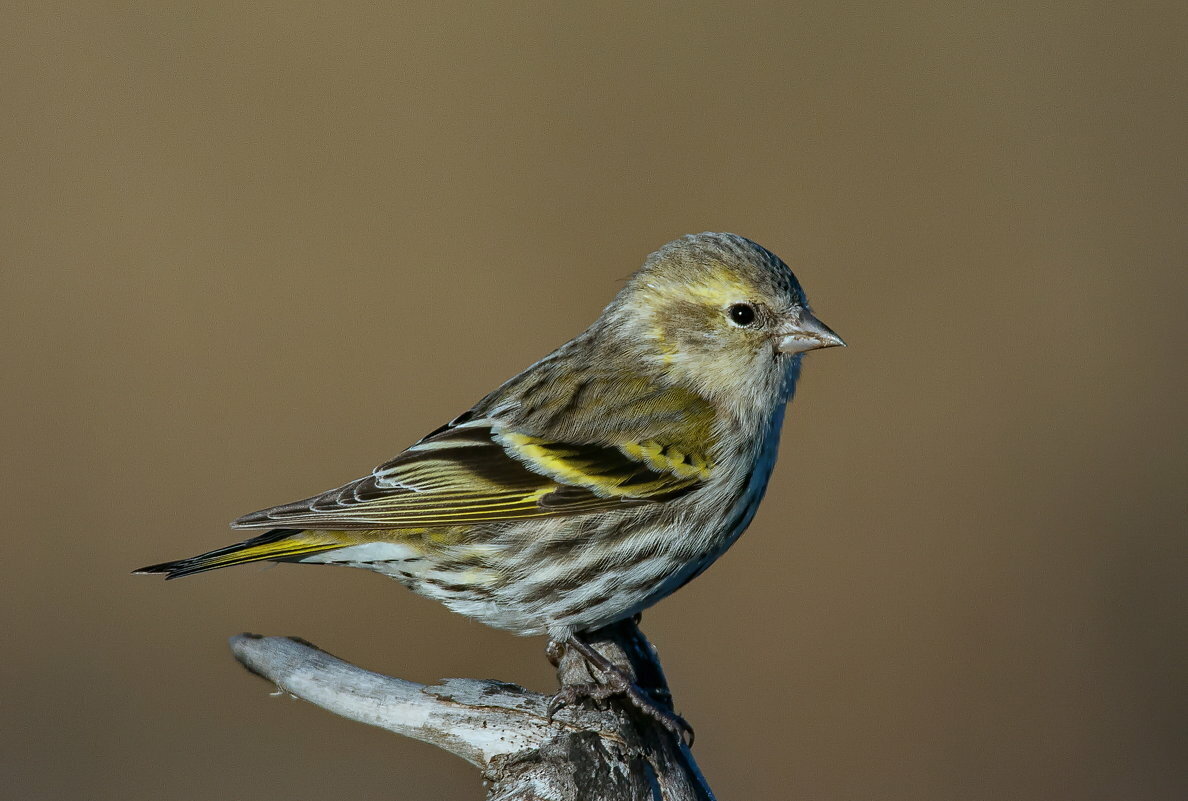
(618, 572)
(571, 574)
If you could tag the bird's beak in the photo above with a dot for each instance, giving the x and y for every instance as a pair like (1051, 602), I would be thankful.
(805, 332)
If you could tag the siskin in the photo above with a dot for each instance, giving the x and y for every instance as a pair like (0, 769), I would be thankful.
(596, 482)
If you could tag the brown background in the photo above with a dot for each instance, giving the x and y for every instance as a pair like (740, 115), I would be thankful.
(249, 253)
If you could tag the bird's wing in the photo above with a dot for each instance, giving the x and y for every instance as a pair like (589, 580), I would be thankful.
(475, 471)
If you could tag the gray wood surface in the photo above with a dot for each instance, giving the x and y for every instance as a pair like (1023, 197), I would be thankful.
(606, 751)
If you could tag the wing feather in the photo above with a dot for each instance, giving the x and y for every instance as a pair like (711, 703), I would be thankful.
(472, 471)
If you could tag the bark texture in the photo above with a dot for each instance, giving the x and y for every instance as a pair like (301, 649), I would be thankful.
(605, 751)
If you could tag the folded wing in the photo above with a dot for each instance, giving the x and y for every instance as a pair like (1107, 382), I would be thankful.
(474, 472)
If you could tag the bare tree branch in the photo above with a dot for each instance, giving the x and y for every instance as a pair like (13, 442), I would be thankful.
(611, 752)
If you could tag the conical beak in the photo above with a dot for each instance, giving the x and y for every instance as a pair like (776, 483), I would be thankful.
(805, 332)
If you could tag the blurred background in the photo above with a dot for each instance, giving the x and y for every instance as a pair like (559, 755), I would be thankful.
(249, 252)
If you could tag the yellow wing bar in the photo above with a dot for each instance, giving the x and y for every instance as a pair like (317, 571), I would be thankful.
(476, 474)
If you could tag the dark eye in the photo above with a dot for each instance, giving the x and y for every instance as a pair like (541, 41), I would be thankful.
(741, 313)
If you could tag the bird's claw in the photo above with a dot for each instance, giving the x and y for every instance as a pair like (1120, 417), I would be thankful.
(613, 681)
(572, 694)
(676, 725)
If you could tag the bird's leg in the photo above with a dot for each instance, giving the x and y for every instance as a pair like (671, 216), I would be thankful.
(554, 651)
(612, 680)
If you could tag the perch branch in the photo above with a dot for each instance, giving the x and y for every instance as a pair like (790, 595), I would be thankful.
(608, 752)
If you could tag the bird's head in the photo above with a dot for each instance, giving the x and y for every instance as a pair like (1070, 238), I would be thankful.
(720, 314)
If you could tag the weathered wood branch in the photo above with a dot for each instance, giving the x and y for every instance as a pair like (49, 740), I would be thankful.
(587, 752)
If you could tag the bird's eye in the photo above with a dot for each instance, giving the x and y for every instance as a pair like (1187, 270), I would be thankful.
(741, 313)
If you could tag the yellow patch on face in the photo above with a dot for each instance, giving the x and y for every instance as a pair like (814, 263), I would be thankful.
(717, 288)
(682, 310)
(667, 349)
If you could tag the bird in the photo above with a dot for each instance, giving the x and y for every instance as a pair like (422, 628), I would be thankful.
(596, 482)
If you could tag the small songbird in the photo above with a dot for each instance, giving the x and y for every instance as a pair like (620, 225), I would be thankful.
(596, 482)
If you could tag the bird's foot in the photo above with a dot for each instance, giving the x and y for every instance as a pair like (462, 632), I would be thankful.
(612, 680)
(572, 694)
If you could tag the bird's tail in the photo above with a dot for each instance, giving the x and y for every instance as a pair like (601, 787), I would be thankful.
(278, 544)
